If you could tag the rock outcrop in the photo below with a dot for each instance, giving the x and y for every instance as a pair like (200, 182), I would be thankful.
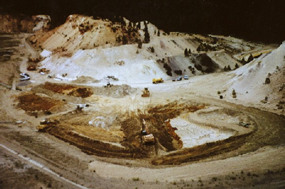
(15, 24)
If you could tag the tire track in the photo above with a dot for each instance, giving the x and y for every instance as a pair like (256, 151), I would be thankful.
(42, 167)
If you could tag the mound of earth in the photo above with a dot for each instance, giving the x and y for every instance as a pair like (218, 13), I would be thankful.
(68, 89)
(262, 80)
(120, 134)
(133, 52)
(31, 102)
(82, 32)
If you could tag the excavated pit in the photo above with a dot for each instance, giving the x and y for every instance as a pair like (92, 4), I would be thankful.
(111, 126)
(120, 135)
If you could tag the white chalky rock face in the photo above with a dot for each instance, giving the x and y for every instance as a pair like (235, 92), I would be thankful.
(88, 47)
(193, 135)
(249, 80)
(46, 53)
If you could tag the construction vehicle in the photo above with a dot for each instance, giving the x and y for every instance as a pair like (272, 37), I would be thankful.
(157, 80)
(179, 78)
(108, 85)
(45, 124)
(147, 137)
(24, 77)
(146, 92)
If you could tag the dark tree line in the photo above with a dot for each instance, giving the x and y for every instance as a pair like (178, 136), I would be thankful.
(255, 20)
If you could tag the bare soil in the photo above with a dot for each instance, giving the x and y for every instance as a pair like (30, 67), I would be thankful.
(31, 102)
(100, 145)
(16, 173)
(68, 89)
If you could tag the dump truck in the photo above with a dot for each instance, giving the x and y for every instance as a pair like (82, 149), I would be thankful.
(145, 93)
(157, 80)
(148, 139)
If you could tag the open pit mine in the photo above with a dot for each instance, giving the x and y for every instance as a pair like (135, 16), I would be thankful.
(95, 103)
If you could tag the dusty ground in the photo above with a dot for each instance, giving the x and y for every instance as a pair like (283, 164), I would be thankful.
(16, 173)
(93, 139)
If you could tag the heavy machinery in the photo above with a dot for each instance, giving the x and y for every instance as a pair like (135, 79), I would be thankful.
(24, 77)
(147, 137)
(145, 93)
(157, 80)
(179, 78)
(46, 123)
(108, 85)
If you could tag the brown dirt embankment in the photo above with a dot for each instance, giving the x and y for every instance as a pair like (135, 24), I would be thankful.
(202, 151)
(31, 102)
(70, 90)
(89, 146)
(156, 119)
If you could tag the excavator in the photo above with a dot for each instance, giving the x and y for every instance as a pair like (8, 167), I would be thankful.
(147, 137)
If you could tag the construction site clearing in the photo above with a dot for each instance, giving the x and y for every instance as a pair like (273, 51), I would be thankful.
(106, 108)
(168, 134)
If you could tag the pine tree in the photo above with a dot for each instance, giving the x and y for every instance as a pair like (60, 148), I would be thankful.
(123, 22)
(236, 66)
(186, 53)
(267, 80)
(139, 44)
(234, 94)
(146, 34)
(125, 40)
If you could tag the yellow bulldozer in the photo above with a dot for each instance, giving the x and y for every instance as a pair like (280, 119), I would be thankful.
(145, 93)
(157, 80)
